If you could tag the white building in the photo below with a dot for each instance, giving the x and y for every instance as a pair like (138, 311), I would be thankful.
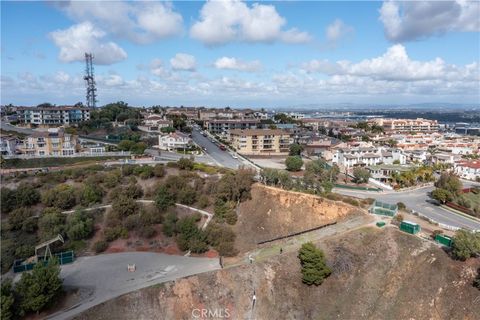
(174, 141)
(154, 123)
(468, 169)
(8, 145)
(349, 157)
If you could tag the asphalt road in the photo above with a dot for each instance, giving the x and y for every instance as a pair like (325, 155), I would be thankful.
(105, 276)
(419, 201)
(9, 127)
(220, 157)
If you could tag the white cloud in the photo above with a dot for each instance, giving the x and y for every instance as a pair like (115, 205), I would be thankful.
(85, 37)
(183, 61)
(336, 31)
(236, 64)
(140, 22)
(412, 20)
(225, 21)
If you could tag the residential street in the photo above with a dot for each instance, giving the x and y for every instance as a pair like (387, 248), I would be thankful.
(419, 201)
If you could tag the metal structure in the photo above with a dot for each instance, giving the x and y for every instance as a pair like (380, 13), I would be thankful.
(46, 245)
(90, 81)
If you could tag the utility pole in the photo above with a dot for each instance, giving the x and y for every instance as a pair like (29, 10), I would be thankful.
(90, 81)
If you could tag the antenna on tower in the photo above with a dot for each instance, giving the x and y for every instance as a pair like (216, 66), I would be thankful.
(90, 81)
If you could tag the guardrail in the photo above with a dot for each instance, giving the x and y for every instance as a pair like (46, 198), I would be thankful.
(344, 186)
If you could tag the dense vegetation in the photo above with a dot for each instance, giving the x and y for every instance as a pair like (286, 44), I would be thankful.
(449, 189)
(466, 244)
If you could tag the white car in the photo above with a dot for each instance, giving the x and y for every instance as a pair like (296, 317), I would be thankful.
(234, 156)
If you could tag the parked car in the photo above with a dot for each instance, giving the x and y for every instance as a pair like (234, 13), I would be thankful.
(222, 147)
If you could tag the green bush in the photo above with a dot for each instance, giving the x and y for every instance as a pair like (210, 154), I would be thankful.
(185, 164)
(113, 233)
(79, 226)
(294, 163)
(62, 196)
(159, 170)
(100, 246)
(466, 244)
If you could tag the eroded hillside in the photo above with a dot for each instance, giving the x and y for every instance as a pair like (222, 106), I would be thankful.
(273, 212)
(378, 274)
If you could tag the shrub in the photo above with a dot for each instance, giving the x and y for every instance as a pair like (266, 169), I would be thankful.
(51, 223)
(185, 164)
(100, 246)
(203, 201)
(314, 268)
(8, 200)
(361, 175)
(164, 199)
(124, 206)
(114, 233)
(26, 195)
(79, 226)
(62, 196)
(17, 217)
(476, 281)
(401, 206)
(132, 222)
(294, 163)
(91, 193)
(147, 232)
(351, 201)
(159, 170)
(169, 225)
(466, 244)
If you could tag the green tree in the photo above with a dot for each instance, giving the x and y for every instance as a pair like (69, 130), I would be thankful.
(294, 163)
(159, 170)
(79, 225)
(126, 145)
(442, 195)
(449, 182)
(361, 175)
(51, 223)
(40, 288)
(27, 195)
(163, 198)
(18, 217)
(62, 196)
(169, 225)
(295, 149)
(124, 205)
(314, 268)
(91, 193)
(8, 200)
(185, 164)
(466, 244)
(7, 300)
(138, 148)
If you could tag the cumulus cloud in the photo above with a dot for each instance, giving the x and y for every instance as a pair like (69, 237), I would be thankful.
(85, 37)
(236, 64)
(183, 61)
(336, 31)
(413, 20)
(225, 21)
(395, 65)
(140, 22)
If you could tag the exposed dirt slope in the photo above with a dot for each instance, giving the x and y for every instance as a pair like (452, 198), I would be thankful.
(274, 212)
(379, 274)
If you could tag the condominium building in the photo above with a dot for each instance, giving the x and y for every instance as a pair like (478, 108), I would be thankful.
(406, 125)
(224, 126)
(51, 116)
(468, 169)
(54, 142)
(261, 141)
(8, 145)
(368, 156)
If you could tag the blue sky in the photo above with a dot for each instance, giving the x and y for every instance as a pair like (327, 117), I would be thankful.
(236, 53)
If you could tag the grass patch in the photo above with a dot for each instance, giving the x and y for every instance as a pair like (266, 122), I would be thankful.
(53, 162)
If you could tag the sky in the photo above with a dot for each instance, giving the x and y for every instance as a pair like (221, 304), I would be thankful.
(242, 54)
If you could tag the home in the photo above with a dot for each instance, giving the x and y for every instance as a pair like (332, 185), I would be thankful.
(8, 145)
(174, 141)
(155, 123)
(468, 169)
(54, 142)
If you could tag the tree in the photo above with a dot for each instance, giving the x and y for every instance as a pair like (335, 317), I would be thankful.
(314, 268)
(124, 205)
(164, 198)
(159, 170)
(27, 195)
(17, 218)
(51, 223)
(79, 225)
(8, 200)
(294, 163)
(91, 193)
(449, 182)
(125, 145)
(185, 164)
(169, 225)
(466, 244)
(295, 149)
(7, 300)
(442, 195)
(138, 148)
(361, 175)
(40, 288)
(62, 196)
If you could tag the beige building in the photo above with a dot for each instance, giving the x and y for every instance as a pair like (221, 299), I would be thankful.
(54, 142)
(261, 141)
(406, 125)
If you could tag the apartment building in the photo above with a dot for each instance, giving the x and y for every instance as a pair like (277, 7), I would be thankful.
(154, 123)
(468, 169)
(367, 156)
(174, 141)
(8, 145)
(406, 125)
(54, 142)
(223, 126)
(261, 141)
(52, 116)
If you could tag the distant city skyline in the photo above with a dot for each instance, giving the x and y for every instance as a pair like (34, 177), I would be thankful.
(242, 54)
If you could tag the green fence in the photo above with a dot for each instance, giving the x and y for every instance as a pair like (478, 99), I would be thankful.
(63, 258)
(344, 186)
(384, 209)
